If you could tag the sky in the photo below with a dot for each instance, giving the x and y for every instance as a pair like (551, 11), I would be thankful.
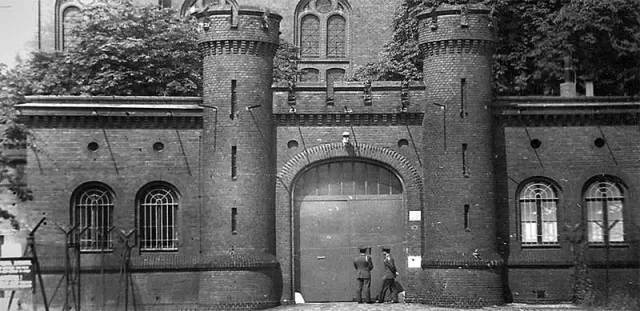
(18, 29)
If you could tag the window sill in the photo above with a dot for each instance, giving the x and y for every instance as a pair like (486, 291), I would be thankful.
(323, 61)
(168, 250)
(613, 245)
(539, 246)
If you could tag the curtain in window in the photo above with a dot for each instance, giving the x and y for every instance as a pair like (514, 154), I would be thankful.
(604, 204)
(538, 214)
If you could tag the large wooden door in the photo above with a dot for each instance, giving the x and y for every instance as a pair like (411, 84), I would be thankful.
(330, 230)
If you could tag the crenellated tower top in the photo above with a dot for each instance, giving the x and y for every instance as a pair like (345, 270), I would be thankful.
(457, 28)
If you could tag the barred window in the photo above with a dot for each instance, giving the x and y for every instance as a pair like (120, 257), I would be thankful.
(310, 36)
(158, 206)
(70, 19)
(93, 210)
(538, 214)
(336, 41)
(310, 75)
(604, 204)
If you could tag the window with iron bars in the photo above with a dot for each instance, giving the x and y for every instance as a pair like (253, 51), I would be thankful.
(93, 213)
(538, 214)
(604, 203)
(158, 207)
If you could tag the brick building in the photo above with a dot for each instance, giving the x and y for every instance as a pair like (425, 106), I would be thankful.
(258, 191)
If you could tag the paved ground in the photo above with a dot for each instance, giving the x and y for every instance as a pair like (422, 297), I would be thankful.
(348, 306)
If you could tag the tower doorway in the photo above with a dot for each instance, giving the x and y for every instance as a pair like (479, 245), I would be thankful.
(338, 208)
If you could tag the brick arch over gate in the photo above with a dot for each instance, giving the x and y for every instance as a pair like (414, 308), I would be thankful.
(296, 165)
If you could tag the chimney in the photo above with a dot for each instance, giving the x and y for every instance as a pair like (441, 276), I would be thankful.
(588, 87)
(568, 88)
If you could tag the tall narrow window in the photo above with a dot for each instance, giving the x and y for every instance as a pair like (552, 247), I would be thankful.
(336, 37)
(604, 204)
(463, 87)
(158, 207)
(538, 219)
(234, 221)
(234, 100)
(93, 213)
(466, 217)
(465, 165)
(70, 19)
(234, 162)
(310, 36)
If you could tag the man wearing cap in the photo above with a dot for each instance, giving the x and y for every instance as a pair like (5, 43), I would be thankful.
(388, 277)
(363, 265)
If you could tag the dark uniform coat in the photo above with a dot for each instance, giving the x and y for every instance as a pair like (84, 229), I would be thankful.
(363, 265)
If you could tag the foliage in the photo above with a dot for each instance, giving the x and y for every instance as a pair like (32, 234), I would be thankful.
(13, 137)
(121, 49)
(126, 49)
(284, 63)
(533, 37)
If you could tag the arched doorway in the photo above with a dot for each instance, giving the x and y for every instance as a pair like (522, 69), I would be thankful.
(340, 206)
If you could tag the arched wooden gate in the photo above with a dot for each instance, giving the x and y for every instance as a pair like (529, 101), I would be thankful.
(339, 207)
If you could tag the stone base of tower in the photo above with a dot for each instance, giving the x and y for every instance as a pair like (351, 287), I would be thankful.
(458, 287)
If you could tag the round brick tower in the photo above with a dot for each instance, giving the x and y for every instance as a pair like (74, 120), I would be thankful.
(461, 265)
(238, 158)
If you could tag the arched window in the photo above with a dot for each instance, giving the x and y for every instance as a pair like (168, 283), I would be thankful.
(348, 178)
(604, 203)
(322, 27)
(310, 75)
(310, 36)
(158, 207)
(92, 208)
(538, 214)
(334, 75)
(336, 40)
(70, 18)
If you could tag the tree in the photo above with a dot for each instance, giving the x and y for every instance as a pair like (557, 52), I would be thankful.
(532, 39)
(13, 136)
(126, 49)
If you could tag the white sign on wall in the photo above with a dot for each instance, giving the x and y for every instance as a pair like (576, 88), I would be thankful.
(415, 215)
(414, 261)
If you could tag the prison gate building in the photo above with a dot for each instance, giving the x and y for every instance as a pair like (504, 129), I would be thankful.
(257, 191)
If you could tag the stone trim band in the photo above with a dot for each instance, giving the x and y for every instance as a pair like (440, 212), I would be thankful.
(257, 48)
(467, 46)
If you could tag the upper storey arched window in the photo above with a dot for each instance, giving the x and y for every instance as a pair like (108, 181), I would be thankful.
(336, 37)
(310, 36)
(322, 27)
(68, 13)
(70, 18)
(604, 201)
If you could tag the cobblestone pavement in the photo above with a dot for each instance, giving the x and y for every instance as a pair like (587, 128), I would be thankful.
(348, 306)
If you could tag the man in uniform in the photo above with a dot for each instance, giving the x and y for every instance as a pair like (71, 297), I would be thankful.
(388, 277)
(363, 265)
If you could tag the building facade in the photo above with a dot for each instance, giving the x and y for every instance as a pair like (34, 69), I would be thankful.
(258, 191)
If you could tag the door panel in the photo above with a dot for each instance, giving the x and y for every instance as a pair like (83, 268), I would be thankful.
(330, 232)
